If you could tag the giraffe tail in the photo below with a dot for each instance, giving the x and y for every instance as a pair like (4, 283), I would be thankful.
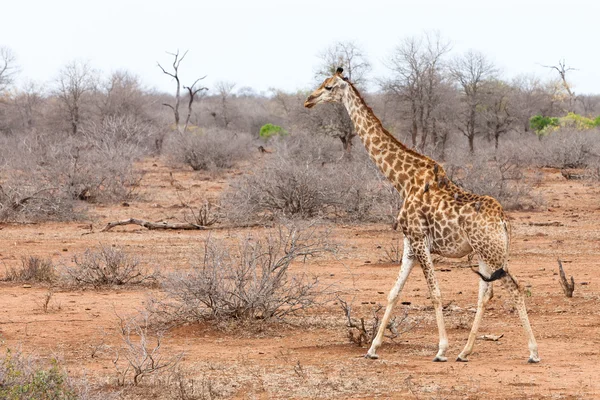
(499, 273)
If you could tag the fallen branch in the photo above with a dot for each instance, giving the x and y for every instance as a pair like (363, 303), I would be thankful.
(153, 225)
(173, 226)
(554, 223)
(570, 175)
(567, 287)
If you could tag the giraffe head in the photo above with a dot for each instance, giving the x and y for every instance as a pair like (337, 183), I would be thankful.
(330, 91)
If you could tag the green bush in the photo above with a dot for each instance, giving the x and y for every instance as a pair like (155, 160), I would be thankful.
(269, 130)
(543, 125)
(579, 122)
(21, 379)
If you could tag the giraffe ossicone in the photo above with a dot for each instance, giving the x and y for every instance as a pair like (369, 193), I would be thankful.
(437, 217)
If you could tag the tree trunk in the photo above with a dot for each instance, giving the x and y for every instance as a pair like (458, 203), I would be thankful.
(471, 138)
(75, 120)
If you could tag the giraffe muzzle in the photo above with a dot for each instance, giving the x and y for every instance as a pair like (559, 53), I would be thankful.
(311, 101)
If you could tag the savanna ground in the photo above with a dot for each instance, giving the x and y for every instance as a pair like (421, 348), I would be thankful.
(309, 355)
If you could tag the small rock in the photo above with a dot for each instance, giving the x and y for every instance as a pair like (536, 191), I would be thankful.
(65, 249)
(26, 286)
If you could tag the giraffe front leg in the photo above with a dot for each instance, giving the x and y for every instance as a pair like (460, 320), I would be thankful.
(405, 268)
(424, 257)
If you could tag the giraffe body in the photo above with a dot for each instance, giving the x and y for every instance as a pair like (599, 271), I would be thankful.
(437, 217)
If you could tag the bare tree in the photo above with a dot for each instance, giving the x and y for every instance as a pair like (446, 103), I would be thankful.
(417, 68)
(497, 109)
(175, 75)
(27, 101)
(347, 55)
(75, 80)
(8, 67)
(225, 92)
(122, 95)
(562, 70)
(353, 60)
(470, 71)
(530, 98)
(590, 104)
(192, 95)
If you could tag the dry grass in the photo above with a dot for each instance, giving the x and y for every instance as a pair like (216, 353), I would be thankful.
(33, 269)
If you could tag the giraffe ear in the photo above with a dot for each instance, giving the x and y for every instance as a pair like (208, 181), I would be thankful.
(345, 78)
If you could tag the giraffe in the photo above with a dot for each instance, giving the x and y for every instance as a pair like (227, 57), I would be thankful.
(437, 217)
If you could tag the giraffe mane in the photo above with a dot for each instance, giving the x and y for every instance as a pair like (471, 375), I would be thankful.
(378, 121)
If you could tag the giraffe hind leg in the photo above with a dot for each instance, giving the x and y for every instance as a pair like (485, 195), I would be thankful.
(518, 297)
(486, 292)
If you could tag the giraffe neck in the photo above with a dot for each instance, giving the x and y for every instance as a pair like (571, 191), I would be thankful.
(401, 165)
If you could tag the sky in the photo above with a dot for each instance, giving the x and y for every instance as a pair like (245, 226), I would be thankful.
(266, 44)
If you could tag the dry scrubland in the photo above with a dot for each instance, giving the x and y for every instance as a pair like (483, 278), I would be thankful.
(275, 286)
(99, 303)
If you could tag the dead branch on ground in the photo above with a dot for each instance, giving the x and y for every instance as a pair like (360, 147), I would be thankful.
(362, 332)
(567, 287)
(173, 226)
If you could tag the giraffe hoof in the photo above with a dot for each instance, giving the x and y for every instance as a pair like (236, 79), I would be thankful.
(461, 359)
(440, 359)
(371, 356)
(533, 360)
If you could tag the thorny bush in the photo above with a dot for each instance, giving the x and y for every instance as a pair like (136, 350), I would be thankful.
(254, 280)
(108, 265)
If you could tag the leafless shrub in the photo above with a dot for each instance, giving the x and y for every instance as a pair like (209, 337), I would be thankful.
(141, 353)
(138, 136)
(94, 172)
(567, 148)
(108, 265)
(203, 214)
(302, 180)
(24, 198)
(253, 281)
(209, 150)
(45, 302)
(361, 332)
(45, 174)
(394, 252)
(32, 269)
(593, 170)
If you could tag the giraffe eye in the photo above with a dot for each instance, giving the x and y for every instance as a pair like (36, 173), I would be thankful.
(328, 87)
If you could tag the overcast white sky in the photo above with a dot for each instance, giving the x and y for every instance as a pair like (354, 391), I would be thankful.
(270, 43)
